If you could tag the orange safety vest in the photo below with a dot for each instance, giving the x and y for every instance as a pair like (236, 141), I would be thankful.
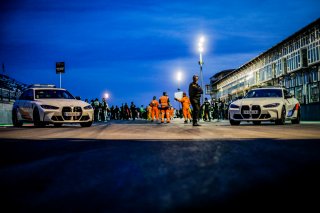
(154, 103)
(164, 101)
(185, 102)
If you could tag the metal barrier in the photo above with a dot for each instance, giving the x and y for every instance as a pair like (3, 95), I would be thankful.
(8, 95)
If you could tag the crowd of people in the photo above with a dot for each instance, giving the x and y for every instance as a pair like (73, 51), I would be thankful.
(162, 110)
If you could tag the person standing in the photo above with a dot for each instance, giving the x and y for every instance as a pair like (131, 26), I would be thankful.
(195, 92)
(104, 108)
(133, 111)
(149, 111)
(206, 110)
(164, 106)
(96, 107)
(154, 104)
(185, 107)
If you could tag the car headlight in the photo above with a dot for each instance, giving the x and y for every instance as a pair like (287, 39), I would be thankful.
(271, 105)
(87, 107)
(48, 107)
(233, 106)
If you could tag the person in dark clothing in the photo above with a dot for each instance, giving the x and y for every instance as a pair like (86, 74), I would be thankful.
(195, 92)
(104, 107)
(206, 109)
(116, 113)
(133, 111)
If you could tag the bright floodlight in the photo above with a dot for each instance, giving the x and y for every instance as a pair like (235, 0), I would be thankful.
(106, 95)
(201, 40)
(179, 76)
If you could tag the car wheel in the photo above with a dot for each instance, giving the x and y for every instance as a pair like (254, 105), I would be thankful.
(36, 118)
(256, 122)
(57, 125)
(282, 119)
(15, 120)
(297, 120)
(86, 124)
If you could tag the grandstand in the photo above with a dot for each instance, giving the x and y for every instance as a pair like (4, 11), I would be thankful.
(10, 88)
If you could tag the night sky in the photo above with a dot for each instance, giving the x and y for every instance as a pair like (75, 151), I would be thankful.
(133, 49)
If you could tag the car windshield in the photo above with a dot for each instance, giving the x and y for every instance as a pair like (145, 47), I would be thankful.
(264, 93)
(53, 94)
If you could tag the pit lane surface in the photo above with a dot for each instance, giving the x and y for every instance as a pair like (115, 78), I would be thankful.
(138, 166)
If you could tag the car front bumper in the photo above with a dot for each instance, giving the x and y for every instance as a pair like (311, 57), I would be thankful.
(265, 114)
(58, 116)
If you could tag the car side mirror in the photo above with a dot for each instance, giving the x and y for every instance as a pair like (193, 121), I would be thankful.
(78, 97)
(288, 96)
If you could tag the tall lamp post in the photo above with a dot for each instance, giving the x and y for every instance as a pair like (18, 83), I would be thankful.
(179, 78)
(200, 44)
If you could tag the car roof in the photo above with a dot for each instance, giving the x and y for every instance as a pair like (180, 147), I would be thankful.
(258, 88)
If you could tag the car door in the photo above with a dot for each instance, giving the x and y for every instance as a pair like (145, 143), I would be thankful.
(28, 104)
(289, 102)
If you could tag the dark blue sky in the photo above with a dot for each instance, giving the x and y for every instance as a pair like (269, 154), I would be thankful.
(133, 49)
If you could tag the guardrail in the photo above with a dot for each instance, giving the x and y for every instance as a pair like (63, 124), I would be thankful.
(8, 95)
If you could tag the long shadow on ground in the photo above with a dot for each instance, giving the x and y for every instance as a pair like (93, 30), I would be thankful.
(75, 175)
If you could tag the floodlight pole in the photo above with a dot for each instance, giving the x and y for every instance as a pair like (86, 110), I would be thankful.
(201, 76)
(60, 79)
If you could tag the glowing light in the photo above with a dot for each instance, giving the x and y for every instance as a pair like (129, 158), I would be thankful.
(179, 76)
(106, 95)
(202, 39)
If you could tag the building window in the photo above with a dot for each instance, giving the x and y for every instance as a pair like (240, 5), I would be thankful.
(292, 81)
(313, 52)
(278, 68)
(313, 93)
(293, 61)
(298, 94)
(299, 79)
(314, 76)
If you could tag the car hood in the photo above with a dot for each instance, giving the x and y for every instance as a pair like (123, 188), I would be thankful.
(257, 101)
(62, 102)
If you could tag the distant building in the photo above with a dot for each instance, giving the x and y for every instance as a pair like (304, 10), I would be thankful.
(212, 88)
(293, 63)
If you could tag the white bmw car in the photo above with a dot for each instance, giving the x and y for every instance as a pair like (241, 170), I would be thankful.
(265, 104)
(45, 104)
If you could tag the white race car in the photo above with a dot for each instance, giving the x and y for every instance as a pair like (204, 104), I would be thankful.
(265, 104)
(45, 104)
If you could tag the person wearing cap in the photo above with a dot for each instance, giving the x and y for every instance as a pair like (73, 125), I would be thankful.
(185, 107)
(195, 92)
(164, 107)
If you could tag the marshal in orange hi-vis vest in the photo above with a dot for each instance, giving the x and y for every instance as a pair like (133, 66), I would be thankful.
(164, 106)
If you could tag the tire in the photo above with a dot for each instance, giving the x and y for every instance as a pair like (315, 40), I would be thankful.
(282, 119)
(36, 118)
(15, 121)
(256, 122)
(57, 125)
(87, 124)
(234, 123)
(297, 120)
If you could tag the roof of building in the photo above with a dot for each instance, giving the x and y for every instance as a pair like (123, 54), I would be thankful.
(312, 24)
